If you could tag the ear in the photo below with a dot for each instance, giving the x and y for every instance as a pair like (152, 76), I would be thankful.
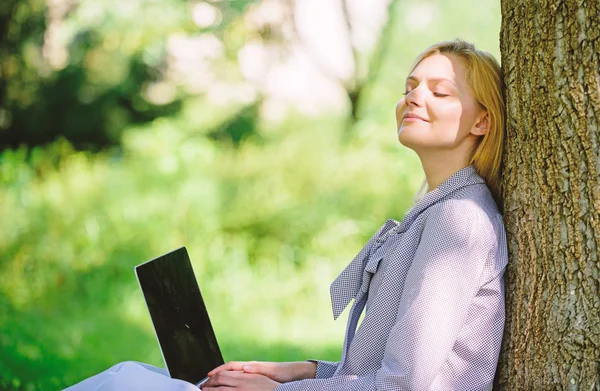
(481, 127)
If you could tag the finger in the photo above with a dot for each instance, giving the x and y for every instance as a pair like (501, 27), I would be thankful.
(263, 368)
(229, 366)
(227, 379)
(214, 381)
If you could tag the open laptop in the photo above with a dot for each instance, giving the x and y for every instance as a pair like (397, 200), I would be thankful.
(186, 338)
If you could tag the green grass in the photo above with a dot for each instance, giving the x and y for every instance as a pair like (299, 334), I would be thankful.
(268, 226)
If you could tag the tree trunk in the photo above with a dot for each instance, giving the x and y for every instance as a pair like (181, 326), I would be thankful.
(551, 187)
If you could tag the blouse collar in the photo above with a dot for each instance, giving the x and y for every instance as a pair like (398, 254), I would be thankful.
(347, 285)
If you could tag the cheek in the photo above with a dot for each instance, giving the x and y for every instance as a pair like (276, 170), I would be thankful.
(449, 114)
(467, 115)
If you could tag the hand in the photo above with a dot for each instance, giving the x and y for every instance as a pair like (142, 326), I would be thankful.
(281, 372)
(239, 381)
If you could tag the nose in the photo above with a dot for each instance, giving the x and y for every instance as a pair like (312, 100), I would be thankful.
(414, 97)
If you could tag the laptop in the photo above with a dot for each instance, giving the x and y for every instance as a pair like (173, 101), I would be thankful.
(185, 335)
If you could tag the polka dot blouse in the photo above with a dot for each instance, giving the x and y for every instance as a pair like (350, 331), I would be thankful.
(432, 290)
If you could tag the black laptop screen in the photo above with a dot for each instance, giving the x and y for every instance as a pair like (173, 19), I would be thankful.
(179, 316)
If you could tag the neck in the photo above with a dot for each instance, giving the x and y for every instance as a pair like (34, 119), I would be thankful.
(439, 166)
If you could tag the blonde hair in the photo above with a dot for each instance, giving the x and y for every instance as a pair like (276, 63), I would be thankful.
(484, 76)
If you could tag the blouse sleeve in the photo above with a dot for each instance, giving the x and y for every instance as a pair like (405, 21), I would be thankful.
(458, 242)
(325, 369)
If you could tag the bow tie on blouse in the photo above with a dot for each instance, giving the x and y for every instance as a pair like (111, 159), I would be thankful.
(350, 281)
(354, 280)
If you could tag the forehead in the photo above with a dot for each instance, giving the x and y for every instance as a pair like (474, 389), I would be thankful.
(442, 66)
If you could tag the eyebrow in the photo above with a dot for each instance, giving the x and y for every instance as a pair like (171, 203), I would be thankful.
(433, 79)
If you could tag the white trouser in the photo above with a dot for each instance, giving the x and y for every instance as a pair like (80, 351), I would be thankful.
(132, 376)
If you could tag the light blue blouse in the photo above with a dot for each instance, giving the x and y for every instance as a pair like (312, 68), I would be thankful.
(433, 289)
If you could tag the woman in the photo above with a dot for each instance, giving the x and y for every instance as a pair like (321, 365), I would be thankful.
(432, 284)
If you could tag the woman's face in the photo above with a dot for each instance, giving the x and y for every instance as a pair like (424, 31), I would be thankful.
(439, 111)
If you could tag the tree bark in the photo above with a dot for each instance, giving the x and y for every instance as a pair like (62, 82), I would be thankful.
(551, 188)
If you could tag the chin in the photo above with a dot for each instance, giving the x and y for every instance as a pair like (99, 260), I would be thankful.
(408, 138)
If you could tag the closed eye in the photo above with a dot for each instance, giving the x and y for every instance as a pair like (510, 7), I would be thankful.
(436, 94)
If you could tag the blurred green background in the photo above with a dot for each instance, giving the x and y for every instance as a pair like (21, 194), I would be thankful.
(259, 134)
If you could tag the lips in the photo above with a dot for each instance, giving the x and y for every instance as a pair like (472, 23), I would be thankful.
(414, 117)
